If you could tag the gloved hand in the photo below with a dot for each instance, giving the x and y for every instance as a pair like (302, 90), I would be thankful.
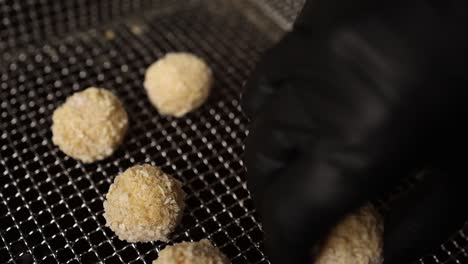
(358, 95)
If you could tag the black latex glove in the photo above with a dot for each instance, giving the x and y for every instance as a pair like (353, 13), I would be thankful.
(357, 96)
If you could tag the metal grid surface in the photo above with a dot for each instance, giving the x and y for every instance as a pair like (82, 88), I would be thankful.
(29, 21)
(283, 12)
(289, 9)
(51, 205)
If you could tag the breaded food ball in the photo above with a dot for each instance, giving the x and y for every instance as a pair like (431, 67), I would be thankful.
(144, 204)
(178, 83)
(90, 125)
(201, 252)
(356, 240)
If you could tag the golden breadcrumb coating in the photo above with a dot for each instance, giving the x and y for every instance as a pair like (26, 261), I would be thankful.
(201, 252)
(144, 204)
(356, 240)
(178, 83)
(90, 125)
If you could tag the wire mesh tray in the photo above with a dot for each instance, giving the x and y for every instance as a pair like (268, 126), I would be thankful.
(51, 205)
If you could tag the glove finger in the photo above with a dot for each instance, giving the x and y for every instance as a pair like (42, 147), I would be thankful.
(274, 69)
(257, 90)
(277, 136)
(422, 219)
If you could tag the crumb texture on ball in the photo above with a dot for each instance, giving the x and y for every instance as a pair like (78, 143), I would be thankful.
(90, 125)
(178, 83)
(144, 204)
(201, 252)
(357, 240)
